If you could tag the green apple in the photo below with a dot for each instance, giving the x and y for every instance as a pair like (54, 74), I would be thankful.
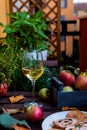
(44, 93)
(67, 89)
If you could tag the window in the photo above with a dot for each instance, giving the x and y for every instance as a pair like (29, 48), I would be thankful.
(63, 3)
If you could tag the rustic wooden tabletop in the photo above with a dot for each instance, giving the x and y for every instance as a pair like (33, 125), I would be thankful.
(48, 108)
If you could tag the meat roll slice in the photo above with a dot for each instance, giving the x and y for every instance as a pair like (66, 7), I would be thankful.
(63, 123)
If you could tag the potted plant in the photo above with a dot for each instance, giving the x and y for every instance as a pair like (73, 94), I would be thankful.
(26, 31)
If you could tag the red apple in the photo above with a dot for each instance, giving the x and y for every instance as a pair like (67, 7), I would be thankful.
(34, 113)
(67, 77)
(81, 82)
(3, 89)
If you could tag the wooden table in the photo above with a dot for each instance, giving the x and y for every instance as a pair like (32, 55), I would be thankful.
(48, 108)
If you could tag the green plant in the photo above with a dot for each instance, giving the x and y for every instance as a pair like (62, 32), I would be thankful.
(26, 30)
(10, 71)
(10, 61)
(5, 71)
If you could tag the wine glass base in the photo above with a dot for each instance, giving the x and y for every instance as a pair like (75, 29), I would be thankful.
(32, 103)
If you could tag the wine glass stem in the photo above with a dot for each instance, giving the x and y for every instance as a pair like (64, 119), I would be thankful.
(33, 90)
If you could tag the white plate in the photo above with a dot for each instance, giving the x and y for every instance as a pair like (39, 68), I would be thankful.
(46, 124)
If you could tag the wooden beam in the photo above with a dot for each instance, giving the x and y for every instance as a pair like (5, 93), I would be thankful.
(58, 29)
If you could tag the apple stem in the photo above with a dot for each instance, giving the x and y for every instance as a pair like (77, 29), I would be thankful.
(86, 71)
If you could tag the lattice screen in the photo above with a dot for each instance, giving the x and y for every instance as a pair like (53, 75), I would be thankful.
(51, 11)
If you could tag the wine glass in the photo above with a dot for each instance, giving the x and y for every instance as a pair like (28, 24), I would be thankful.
(32, 68)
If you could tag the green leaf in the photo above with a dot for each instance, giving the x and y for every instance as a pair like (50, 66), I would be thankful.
(42, 33)
(38, 14)
(8, 30)
(26, 22)
(1, 24)
(16, 23)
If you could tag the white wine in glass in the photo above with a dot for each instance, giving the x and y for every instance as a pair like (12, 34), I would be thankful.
(32, 68)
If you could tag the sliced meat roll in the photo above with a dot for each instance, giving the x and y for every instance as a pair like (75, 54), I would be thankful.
(76, 114)
(63, 123)
(80, 126)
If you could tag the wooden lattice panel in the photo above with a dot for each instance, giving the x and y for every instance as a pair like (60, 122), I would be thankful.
(50, 10)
